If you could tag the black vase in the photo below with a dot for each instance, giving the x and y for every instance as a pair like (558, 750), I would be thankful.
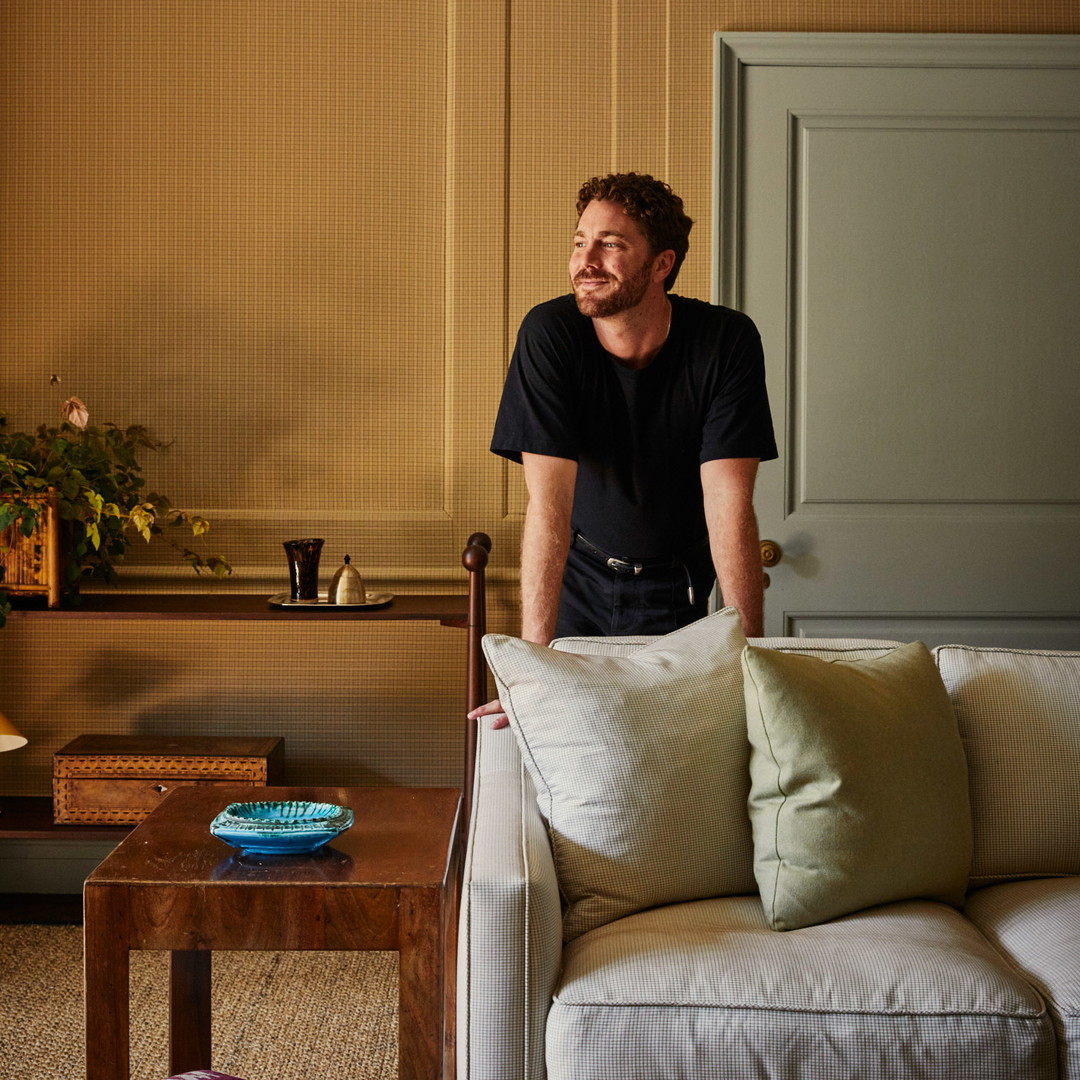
(303, 556)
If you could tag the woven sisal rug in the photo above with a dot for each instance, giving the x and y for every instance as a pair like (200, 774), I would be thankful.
(277, 1016)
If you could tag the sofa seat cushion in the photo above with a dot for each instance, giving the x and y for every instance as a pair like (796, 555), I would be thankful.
(1036, 924)
(706, 989)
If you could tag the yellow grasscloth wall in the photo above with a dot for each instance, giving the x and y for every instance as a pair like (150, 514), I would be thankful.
(295, 239)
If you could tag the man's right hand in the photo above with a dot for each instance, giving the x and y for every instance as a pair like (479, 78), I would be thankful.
(493, 709)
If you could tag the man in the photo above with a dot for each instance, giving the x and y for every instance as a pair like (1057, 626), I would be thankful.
(640, 418)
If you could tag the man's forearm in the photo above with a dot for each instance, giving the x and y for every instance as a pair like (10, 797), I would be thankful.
(544, 546)
(728, 487)
(545, 542)
(736, 552)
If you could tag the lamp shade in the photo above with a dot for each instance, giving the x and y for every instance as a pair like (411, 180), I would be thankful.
(10, 739)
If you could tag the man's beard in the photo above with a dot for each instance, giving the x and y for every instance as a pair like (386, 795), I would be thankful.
(627, 294)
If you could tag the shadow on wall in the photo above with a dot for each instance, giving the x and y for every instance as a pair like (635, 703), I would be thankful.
(349, 706)
(265, 405)
(331, 738)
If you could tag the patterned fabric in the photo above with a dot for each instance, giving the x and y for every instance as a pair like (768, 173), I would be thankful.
(1036, 924)
(640, 766)
(203, 1074)
(602, 646)
(510, 929)
(859, 789)
(1019, 717)
(826, 648)
(706, 989)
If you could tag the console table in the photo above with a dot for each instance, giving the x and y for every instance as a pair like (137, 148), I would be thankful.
(468, 612)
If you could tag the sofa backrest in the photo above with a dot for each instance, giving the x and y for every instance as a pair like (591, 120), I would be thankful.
(826, 648)
(1019, 717)
(739, 860)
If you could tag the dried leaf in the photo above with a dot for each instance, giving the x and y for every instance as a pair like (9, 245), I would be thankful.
(75, 413)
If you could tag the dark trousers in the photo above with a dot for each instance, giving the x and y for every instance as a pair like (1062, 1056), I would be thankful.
(597, 601)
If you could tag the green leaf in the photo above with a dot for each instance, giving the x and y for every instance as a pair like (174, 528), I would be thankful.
(100, 494)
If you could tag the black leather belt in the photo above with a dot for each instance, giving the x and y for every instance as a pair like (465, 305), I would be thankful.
(639, 566)
(622, 566)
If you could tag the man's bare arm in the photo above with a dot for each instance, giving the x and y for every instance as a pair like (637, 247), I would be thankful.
(545, 542)
(728, 487)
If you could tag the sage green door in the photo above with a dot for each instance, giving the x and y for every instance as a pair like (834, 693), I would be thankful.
(900, 216)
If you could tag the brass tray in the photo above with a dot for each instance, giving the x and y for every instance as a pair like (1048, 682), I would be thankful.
(374, 600)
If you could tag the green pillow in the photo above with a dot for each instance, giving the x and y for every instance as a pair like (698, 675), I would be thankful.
(858, 784)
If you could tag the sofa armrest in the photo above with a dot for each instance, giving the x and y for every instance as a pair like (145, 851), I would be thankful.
(510, 936)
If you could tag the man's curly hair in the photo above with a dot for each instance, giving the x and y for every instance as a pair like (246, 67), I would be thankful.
(657, 210)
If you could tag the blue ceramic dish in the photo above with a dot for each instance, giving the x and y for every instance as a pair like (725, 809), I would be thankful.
(280, 828)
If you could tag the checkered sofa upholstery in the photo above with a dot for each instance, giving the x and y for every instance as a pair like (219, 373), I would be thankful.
(706, 991)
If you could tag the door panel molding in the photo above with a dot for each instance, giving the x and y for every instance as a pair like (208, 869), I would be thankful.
(899, 50)
(847, 329)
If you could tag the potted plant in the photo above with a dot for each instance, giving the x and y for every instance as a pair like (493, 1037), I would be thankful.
(86, 482)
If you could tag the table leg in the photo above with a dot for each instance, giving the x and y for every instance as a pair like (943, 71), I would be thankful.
(421, 1016)
(189, 1010)
(105, 982)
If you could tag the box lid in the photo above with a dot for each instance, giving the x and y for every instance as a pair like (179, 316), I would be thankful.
(173, 745)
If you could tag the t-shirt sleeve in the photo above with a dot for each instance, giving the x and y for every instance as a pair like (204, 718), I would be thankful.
(538, 413)
(738, 421)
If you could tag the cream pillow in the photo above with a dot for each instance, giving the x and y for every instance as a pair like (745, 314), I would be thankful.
(1017, 710)
(640, 766)
(858, 784)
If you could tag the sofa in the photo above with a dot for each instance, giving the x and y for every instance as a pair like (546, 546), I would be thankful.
(698, 857)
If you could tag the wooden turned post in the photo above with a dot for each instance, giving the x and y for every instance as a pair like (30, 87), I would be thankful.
(474, 558)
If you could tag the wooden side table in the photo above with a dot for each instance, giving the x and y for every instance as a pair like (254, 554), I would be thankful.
(390, 882)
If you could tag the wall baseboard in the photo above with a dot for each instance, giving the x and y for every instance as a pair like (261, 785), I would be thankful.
(49, 866)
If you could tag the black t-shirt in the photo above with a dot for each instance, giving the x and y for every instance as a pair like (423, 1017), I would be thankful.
(639, 436)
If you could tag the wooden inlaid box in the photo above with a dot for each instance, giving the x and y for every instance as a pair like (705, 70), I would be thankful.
(119, 779)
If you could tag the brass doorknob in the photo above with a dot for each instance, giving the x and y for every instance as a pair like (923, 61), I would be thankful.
(771, 554)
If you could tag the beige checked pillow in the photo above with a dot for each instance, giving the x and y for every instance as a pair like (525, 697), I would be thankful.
(640, 766)
(1019, 717)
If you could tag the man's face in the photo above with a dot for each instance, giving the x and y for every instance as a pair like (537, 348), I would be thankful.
(611, 266)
